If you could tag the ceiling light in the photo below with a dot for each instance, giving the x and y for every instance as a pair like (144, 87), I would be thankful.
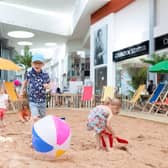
(20, 34)
(51, 44)
(24, 43)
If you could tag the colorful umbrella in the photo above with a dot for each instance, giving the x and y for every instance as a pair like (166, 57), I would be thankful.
(161, 67)
(6, 64)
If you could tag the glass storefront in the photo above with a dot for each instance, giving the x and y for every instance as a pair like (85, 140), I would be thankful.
(129, 75)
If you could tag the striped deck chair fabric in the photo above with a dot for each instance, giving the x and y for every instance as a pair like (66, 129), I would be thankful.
(108, 91)
(161, 105)
(13, 98)
(130, 104)
(156, 93)
(164, 106)
(154, 97)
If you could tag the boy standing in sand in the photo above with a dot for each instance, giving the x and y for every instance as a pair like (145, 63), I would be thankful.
(37, 82)
(100, 119)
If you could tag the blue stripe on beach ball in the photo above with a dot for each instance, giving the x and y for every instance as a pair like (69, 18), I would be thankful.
(39, 144)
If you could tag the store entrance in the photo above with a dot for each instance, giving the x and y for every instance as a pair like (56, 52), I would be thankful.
(130, 74)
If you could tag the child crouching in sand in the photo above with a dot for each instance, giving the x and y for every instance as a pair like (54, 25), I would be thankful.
(99, 120)
(24, 113)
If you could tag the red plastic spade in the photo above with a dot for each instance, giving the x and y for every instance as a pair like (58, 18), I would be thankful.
(119, 140)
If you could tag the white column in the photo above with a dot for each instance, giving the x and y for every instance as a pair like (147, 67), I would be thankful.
(152, 18)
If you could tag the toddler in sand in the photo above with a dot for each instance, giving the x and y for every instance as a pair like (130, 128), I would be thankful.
(3, 105)
(100, 118)
(24, 113)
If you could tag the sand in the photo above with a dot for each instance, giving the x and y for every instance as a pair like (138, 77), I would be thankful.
(147, 148)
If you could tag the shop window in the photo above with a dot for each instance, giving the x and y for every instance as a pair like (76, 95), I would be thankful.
(78, 67)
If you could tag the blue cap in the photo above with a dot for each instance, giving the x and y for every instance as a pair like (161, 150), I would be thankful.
(38, 57)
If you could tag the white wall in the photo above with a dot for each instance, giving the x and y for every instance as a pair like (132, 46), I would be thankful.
(60, 56)
(131, 24)
(74, 45)
(127, 27)
(161, 18)
(79, 8)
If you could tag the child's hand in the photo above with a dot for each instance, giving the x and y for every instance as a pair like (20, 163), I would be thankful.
(46, 86)
(21, 95)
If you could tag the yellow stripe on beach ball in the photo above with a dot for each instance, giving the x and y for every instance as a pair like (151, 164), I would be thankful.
(59, 152)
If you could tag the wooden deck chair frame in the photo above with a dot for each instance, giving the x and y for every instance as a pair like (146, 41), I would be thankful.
(13, 98)
(130, 104)
(108, 91)
(154, 97)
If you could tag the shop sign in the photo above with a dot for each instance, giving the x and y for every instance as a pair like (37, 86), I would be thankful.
(161, 42)
(130, 52)
(140, 49)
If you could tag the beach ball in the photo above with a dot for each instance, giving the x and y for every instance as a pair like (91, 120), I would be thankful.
(51, 135)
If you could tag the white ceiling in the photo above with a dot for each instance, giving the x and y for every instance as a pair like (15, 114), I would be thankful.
(38, 40)
(66, 6)
(45, 27)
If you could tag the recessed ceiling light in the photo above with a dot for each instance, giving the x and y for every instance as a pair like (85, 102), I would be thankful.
(24, 43)
(20, 34)
(50, 44)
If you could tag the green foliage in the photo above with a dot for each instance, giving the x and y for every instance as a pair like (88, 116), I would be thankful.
(24, 59)
(156, 58)
(138, 76)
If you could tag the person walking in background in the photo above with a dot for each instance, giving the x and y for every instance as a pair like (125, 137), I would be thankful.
(151, 87)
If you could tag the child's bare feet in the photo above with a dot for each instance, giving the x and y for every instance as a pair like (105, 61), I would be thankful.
(107, 149)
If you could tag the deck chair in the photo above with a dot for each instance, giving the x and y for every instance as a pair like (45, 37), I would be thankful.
(161, 106)
(87, 96)
(108, 91)
(154, 97)
(130, 104)
(13, 98)
(164, 106)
